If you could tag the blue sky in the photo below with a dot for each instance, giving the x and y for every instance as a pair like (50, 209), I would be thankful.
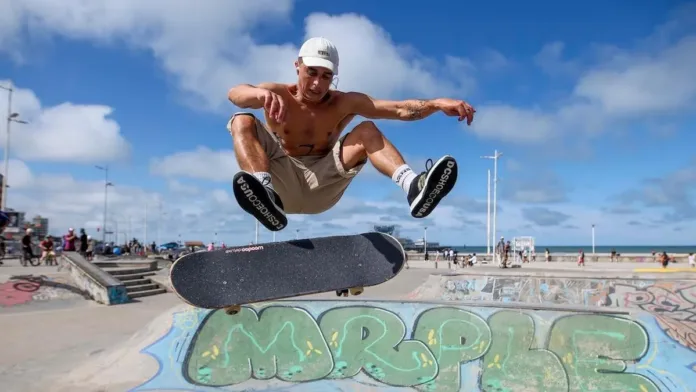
(591, 104)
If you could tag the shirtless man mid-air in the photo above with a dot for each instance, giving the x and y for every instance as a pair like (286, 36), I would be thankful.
(300, 164)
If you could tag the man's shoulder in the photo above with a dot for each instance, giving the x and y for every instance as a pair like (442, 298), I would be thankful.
(348, 99)
(349, 95)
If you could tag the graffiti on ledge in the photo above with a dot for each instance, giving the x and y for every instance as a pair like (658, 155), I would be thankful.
(673, 303)
(395, 345)
(24, 289)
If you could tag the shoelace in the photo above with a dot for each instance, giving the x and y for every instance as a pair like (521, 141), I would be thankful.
(421, 178)
(266, 181)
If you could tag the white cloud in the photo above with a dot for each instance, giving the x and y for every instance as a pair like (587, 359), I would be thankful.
(513, 124)
(201, 163)
(550, 59)
(63, 133)
(372, 62)
(644, 84)
(650, 80)
(69, 202)
(176, 186)
(207, 46)
(19, 176)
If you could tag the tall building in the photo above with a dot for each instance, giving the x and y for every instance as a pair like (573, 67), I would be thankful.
(40, 226)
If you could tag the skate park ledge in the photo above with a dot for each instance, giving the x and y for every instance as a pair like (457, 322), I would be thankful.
(101, 286)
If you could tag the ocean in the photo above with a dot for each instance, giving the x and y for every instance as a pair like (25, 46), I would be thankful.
(598, 249)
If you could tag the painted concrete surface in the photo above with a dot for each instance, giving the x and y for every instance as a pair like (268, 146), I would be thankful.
(385, 345)
(632, 335)
(671, 302)
(19, 290)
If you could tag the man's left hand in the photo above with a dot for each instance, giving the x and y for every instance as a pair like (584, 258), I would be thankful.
(453, 107)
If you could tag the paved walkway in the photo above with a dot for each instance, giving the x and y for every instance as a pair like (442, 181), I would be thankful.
(556, 267)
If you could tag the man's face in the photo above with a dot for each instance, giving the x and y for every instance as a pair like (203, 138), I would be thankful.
(314, 82)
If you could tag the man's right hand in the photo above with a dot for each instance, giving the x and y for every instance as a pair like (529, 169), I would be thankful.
(273, 104)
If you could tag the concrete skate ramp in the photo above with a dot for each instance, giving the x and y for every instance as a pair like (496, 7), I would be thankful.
(658, 296)
(325, 346)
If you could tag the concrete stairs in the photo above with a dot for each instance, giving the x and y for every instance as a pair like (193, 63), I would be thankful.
(136, 276)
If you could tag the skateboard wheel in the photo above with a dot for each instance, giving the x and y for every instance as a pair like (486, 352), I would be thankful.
(356, 290)
(232, 310)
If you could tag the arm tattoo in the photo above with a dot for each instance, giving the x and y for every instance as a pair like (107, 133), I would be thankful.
(415, 109)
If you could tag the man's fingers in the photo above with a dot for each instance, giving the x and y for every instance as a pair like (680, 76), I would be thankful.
(281, 110)
(461, 109)
(267, 102)
(274, 107)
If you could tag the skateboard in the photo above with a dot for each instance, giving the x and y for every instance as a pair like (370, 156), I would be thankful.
(231, 277)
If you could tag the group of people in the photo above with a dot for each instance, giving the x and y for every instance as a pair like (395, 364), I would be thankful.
(47, 246)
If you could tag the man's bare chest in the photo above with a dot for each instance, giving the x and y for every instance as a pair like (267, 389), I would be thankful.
(308, 124)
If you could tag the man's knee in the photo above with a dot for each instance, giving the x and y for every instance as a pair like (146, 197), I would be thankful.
(242, 123)
(367, 131)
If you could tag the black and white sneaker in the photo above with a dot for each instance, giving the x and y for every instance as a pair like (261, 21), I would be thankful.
(431, 186)
(262, 202)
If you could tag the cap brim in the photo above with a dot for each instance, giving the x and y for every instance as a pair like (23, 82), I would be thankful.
(320, 62)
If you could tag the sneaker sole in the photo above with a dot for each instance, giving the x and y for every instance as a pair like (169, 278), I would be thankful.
(253, 197)
(445, 171)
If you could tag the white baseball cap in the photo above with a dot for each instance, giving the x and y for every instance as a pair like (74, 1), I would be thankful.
(320, 52)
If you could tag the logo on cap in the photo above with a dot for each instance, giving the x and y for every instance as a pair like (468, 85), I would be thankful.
(323, 53)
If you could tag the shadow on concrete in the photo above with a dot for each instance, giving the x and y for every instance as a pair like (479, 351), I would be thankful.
(32, 283)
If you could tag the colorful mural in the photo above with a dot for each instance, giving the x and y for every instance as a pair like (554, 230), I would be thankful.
(671, 302)
(418, 346)
(23, 289)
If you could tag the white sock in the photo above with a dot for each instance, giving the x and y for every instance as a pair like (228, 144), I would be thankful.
(403, 177)
(262, 176)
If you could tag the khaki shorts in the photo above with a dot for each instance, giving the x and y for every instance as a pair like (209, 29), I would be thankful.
(306, 185)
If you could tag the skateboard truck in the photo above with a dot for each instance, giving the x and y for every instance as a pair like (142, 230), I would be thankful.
(352, 291)
(232, 310)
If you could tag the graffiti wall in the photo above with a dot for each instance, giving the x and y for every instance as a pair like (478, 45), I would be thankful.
(24, 289)
(383, 346)
(672, 303)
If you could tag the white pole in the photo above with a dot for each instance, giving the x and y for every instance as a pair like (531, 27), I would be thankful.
(159, 220)
(106, 193)
(106, 197)
(488, 216)
(495, 194)
(425, 241)
(274, 236)
(593, 240)
(130, 230)
(256, 236)
(145, 229)
(495, 157)
(7, 147)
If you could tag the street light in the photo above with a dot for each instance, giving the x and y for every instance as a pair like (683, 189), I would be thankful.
(593, 240)
(494, 157)
(11, 117)
(107, 184)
